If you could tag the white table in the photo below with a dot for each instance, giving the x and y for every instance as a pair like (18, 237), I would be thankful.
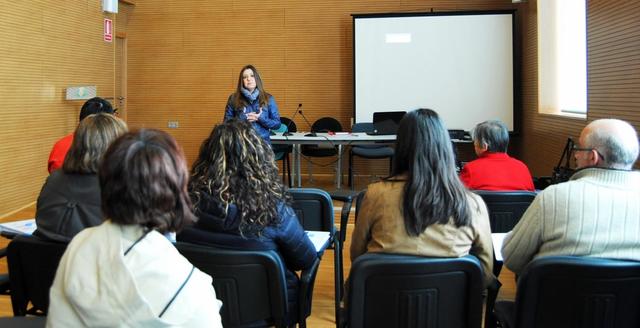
(340, 139)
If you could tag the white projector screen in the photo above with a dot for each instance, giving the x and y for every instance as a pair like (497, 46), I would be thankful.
(460, 64)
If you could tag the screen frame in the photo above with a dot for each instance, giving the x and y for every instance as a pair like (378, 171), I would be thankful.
(515, 42)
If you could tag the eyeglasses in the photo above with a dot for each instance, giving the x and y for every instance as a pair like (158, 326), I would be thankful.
(575, 148)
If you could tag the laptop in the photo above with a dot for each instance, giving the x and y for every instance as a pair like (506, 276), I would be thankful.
(386, 123)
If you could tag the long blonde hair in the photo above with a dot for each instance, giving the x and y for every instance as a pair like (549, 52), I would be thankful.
(93, 136)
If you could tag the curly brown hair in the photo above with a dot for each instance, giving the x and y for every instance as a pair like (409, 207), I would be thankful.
(236, 166)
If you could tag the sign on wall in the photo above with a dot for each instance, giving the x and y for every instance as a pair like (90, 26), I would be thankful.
(108, 30)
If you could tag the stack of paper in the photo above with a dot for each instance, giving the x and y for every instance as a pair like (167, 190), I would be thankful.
(22, 227)
(320, 239)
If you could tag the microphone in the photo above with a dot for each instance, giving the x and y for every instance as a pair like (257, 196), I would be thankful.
(312, 133)
(288, 133)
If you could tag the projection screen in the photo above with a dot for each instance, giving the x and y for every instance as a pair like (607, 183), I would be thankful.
(460, 64)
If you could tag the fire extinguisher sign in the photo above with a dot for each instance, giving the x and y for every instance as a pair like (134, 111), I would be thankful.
(108, 30)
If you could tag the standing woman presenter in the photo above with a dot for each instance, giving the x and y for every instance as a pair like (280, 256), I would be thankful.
(252, 103)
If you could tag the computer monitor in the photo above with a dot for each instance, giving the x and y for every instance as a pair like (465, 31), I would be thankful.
(386, 122)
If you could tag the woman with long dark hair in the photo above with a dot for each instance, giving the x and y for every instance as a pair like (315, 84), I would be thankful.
(252, 103)
(423, 208)
(241, 203)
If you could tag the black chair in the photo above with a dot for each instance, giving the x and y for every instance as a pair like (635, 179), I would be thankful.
(506, 207)
(23, 322)
(505, 210)
(388, 290)
(282, 151)
(346, 197)
(5, 283)
(325, 124)
(368, 151)
(32, 267)
(314, 209)
(566, 291)
(251, 285)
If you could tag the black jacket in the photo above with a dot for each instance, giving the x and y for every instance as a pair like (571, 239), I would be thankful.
(67, 204)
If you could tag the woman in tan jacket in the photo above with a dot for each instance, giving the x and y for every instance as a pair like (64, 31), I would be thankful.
(423, 208)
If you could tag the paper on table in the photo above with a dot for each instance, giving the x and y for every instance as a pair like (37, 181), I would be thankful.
(498, 239)
(320, 239)
(22, 227)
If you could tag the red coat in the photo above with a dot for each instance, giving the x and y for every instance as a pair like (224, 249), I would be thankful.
(59, 151)
(496, 171)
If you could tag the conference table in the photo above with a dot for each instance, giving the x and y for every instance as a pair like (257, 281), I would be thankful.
(339, 139)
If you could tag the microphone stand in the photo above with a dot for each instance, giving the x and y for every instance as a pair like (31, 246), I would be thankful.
(312, 133)
(563, 173)
(287, 133)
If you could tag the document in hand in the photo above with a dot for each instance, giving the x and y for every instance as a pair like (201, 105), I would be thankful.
(320, 239)
(22, 227)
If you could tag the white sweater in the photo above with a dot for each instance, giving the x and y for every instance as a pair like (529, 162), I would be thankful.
(96, 285)
(596, 213)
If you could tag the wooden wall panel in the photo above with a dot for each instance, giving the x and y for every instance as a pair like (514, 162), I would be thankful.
(45, 46)
(185, 56)
(613, 41)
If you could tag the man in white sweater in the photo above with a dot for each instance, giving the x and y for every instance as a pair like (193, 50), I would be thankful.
(596, 213)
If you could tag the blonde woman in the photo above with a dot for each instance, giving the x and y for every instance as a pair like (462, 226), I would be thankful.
(70, 198)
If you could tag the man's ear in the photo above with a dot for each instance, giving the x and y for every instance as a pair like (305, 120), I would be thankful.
(595, 159)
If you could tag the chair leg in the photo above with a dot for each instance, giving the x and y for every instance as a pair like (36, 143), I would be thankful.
(337, 251)
(287, 170)
(309, 165)
(350, 170)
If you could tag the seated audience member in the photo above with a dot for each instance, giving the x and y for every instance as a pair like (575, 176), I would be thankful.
(423, 208)
(59, 151)
(125, 272)
(240, 201)
(596, 213)
(494, 169)
(70, 198)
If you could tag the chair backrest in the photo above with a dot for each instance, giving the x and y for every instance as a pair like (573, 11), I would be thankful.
(388, 290)
(362, 127)
(289, 123)
(32, 267)
(506, 207)
(250, 284)
(565, 291)
(314, 209)
(326, 124)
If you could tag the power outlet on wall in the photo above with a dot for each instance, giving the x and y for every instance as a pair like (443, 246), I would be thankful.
(173, 124)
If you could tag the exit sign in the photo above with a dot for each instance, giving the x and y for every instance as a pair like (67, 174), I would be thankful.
(108, 30)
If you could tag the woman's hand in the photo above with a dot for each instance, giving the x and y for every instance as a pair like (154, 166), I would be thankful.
(252, 117)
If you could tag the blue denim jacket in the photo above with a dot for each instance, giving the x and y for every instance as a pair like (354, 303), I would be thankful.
(269, 119)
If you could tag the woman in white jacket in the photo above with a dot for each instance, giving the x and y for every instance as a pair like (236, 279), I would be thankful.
(125, 272)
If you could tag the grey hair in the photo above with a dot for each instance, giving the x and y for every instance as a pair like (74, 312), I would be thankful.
(617, 141)
(493, 134)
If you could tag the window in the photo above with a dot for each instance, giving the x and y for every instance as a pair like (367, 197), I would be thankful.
(562, 57)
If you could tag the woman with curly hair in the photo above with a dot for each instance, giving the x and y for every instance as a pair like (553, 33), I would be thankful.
(241, 202)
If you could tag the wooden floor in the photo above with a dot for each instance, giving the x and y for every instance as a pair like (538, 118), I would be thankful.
(323, 314)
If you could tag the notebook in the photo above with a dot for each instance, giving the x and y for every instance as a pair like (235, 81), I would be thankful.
(386, 123)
